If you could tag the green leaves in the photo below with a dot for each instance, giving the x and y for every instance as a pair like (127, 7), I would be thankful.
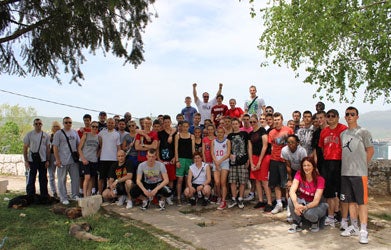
(51, 35)
(344, 46)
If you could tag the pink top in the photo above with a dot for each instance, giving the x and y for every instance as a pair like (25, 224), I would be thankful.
(307, 189)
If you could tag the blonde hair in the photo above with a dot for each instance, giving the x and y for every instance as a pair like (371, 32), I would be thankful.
(55, 123)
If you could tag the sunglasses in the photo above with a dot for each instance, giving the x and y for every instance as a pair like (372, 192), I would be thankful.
(331, 116)
(67, 122)
(268, 111)
(206, 96)
(350, 114)
(132, 126)
(252, 122)
(38, 123)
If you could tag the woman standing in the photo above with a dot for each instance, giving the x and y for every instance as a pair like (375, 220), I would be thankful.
(89, 150)
(52, 167)
(310, 185)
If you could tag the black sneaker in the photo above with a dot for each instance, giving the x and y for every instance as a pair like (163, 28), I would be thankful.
(192, 201)
(240, 203)
(232, 203)
(205, 202)
(145, 204)
(260, 204)
(268, 208)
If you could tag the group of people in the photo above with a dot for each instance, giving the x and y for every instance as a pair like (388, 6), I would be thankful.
(315, 165)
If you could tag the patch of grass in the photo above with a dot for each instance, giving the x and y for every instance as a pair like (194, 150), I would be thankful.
(382, 216)
(42, 229)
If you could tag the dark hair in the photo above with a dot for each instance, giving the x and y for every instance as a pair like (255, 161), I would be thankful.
(278, 114)
(294, 136)
(87, 116)
(352, 108)
(166, 117)
(197, 153)
(156, 122)
(246, 115)
(307, 112)
(315, 172)
(152, 151)
(222, 97)
(296, 112)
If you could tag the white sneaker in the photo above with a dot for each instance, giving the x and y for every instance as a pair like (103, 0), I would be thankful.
(129, 204)
(65, 202)
(277, 209)
(76, 198)
(344, 225)
(363, 238)
(121, 200)
(249, 197)
(329, 222)
(169, 201)
(350, 231)
(218, 201)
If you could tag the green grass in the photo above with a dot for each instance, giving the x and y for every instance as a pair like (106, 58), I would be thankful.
(42, 229)
(382, 216)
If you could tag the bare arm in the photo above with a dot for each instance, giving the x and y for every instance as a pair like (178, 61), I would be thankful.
(370, 151)
(220, 89)
(195, 93)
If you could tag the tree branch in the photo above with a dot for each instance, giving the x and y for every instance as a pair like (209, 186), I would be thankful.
(372, 4)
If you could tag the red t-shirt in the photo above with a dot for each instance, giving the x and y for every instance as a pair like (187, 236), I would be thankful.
(307, 189)
(81, 131)
(218, 111)
(142, 155)
(278, 138)
(330, 142)
(236, 112)
(208, 154)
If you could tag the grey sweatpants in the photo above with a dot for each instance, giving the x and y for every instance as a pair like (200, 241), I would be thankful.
(73, 170)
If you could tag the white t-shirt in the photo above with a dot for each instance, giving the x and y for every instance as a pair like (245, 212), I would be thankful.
(110, 141)
(205, 108)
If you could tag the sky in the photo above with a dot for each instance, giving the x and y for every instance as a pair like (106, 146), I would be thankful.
(191, 41)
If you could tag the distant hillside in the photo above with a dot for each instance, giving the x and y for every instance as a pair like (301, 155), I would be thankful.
(378, 123)
(47, 123)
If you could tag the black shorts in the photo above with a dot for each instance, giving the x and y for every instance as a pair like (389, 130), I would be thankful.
(136, 191)
(354, 189)
(331, 172)
(104, 168)
(277, 174)
(90, 169)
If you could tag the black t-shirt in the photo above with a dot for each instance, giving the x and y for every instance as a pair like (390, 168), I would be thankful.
(117, 172)
(256, 140)
(166, 150)
(239, 142)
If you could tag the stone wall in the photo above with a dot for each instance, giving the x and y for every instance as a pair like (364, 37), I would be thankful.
(379, 172)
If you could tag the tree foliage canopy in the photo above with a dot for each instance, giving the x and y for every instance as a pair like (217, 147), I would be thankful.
(344, 45)
(39, 36)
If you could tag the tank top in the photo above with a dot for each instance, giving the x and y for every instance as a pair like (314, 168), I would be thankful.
(90, 147)
(208, 155)
(200, 172)
(185, 149)
(220, 149)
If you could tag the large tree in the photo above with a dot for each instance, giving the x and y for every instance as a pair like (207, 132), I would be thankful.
(343, 45)
(44, 37)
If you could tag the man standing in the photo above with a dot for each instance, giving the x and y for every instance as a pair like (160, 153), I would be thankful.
(296, 117)
(254, 105)
(65, 143)
(37, 160)
(277, 171)
(110, 146)
(218, 111)
(331, 144)
(305, 134)
(102, 120)
(205, 106)
(357, 152)
(188, 112)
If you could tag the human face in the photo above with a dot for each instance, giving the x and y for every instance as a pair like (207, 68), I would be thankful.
(38, 125)
(211, 130)
(219, 100)
(277, 122)
(102, 118)
(197, 133)
(188, 102)
(332, 119)
(321, 119)
(110, 124)
(147, 124)
(253, 123)
(167, 123)
(94, 127)
(87, 122)
(296, 117)
(128, 116)
(185, 127)
(156, 127)
(269, 111)
(121, 156)
(308, 168)
(227, 123)
(307, 118)
(132, 126)
(351, 116)
(67, 123)
(55, 128)
(235, 125)
(253, 92)
(197, 119)
(232, 104)
(269, 121)
(151, 158)
(220, 133)
(246, 121)
(291, 124)
(121, 126)
(197, 159)
(262, 121)
(292, 144)
(205, 97)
